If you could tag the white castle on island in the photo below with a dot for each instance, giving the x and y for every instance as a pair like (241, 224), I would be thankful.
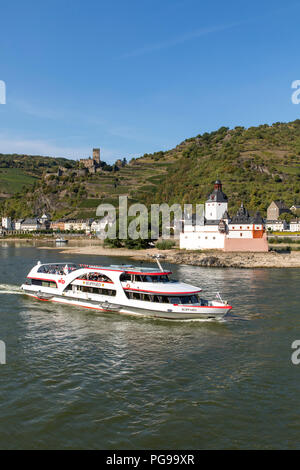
(217, 230)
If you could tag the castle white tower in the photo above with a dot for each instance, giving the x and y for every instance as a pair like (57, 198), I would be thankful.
(7, 223)
(217, 203)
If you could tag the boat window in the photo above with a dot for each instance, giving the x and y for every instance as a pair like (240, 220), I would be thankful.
(164, 299)
(59, 269)
(39, 282)
(159, 278)
(125, 277)
(97, 290)
(185, 299)
(95, 277)
(145, 297)
(151, 278)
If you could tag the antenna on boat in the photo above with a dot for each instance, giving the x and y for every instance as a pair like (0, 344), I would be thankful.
(156, 257)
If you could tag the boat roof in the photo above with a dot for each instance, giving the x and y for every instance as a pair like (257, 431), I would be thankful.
(126, 268)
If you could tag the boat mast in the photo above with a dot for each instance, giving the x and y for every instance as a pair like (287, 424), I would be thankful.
(156, 257)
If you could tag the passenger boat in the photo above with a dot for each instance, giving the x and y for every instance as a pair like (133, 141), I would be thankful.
(124, 289)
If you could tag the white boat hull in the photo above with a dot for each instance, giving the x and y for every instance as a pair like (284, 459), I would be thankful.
(175, 313)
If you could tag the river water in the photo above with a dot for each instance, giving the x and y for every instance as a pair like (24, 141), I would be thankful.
(79, 380)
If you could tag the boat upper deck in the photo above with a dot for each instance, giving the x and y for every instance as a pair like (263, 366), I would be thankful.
(66, 268)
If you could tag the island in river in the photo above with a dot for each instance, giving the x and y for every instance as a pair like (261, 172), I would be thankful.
(212, 258)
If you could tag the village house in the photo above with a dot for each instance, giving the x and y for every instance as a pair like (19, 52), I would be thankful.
(57, 226)
(31, 225)
(100, 224)
(275, 209)
(7, 223)
(295, 225)
(277, 225)
(18, 224)
(45, 222)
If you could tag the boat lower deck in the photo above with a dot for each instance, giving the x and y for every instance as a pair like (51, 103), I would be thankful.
(175, 313)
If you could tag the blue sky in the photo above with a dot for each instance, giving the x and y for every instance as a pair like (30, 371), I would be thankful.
(141, 76)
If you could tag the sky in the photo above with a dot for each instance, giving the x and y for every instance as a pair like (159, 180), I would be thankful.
(141, 76)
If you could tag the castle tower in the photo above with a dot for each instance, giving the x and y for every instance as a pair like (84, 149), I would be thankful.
(216, 204)
(96, 155)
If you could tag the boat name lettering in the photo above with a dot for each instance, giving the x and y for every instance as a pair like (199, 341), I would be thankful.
(93, 284)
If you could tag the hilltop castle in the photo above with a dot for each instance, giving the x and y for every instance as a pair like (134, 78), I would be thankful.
(92, 164)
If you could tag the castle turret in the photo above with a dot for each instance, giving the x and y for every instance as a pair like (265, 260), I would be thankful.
(217, 203)
(96, 155)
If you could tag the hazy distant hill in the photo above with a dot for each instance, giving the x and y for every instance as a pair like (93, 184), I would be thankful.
(256, 165)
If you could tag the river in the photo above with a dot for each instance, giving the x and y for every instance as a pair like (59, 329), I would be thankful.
(74, 379)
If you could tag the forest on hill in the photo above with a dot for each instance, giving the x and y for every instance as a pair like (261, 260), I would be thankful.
(256, 165)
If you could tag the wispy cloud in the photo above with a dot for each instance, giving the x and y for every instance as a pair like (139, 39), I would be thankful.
(39, 147)
(178, 40)
(48, 148)
(38, 111)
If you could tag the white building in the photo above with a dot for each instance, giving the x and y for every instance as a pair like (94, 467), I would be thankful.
(217, 203)
(7, 223)
(295, 225)
(78, 225)
(31, 225)
(100, 224)
(18, 224)
(216, 230)
(276, 225)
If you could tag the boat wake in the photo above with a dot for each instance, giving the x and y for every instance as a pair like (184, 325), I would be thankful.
(10, 289)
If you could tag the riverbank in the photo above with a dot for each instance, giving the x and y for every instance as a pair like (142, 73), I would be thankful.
(210, 258)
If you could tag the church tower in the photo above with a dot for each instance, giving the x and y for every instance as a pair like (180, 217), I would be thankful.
(216, 204)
